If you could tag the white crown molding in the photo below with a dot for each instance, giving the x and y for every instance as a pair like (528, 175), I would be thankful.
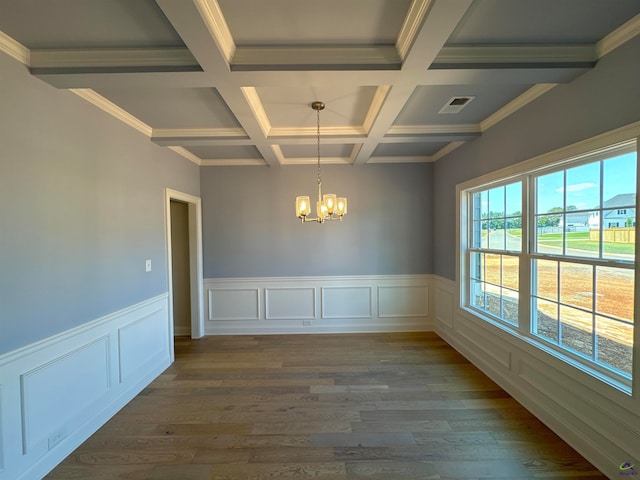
(355, 151)
(217, 25)
(187, 154)
(328, 131)
(376, 105)
(277, 151)
(253, 99)
(14, 49)
(406, 159)
(116, 57)
(516, 104)
(213, 133)
(434, 129)
(112, 109)
(314, 161)
(516, 54)
(618, 37)
(411, 25)
(446, 150)
(233, 162)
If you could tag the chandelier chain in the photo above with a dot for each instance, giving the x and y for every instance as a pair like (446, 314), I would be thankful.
(318, 144)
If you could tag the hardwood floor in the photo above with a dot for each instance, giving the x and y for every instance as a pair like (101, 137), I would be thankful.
(374, 406)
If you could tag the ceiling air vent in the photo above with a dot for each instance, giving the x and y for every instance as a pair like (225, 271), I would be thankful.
(455, 104)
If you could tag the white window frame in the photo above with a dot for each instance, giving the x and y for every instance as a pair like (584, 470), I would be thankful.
(559, 159)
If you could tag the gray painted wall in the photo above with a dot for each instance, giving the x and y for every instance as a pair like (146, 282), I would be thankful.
(250, 228)
(603, 99)
(81, 208)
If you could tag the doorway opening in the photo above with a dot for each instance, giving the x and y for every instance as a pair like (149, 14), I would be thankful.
(184, 265)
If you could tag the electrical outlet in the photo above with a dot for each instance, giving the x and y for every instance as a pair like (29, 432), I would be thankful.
(307, 323)
(56, 437)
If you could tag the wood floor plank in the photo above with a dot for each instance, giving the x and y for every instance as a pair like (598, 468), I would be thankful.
(334, 407)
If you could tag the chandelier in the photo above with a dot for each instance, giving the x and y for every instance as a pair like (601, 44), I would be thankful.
(328, 206)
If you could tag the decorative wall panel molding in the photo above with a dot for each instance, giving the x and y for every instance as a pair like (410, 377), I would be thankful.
(71, 383)
(597, 419)
(403, 301)
(139, 341)
(444, 306)
(329, 304)
(284, 303)
(233, 303)
(56, 392)
(347, 302)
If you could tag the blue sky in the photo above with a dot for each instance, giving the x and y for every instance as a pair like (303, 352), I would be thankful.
(582, 188)
(583, 183)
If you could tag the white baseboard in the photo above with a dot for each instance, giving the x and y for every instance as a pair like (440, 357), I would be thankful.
(599, 421)
(337, 304)
(59, 391)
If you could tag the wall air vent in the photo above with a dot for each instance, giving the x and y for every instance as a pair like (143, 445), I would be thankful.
(455, 104)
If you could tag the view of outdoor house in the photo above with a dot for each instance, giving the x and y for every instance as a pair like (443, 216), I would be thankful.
(618, 214)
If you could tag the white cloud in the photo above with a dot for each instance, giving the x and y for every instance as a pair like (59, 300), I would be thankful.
(577, 187)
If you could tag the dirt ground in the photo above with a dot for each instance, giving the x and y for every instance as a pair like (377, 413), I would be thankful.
(613, 298)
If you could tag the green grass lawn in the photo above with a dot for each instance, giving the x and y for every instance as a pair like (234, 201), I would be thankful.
(580, 241)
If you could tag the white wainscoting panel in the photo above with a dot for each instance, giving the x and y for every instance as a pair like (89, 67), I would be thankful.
(346, 302)
(403, 301)
(290, 303)
(598, 420)
(233, 303)
(71, 384)
(138, 344)
(57, 392)
(444, 306)
(328, 304)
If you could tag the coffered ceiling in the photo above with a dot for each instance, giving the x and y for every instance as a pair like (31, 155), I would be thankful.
(230, 82)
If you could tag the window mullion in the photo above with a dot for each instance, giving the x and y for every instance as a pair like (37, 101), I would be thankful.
(528, 219)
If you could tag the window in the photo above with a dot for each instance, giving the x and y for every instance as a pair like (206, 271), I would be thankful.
(549, 255)
(494, 253)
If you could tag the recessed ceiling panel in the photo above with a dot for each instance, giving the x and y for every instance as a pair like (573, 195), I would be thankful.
(87, 24)
(541, 21)
(230, 152)
(427, 101)
(326, 22)
(291, 107)
(174, 107)
(408, 149)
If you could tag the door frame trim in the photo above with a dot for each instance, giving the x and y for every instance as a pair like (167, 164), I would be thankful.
(195, 261)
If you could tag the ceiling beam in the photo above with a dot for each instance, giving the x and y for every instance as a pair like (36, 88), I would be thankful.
(243, 105)
(518, 56)
(316, 58)
(201, 29)
(419, 51)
